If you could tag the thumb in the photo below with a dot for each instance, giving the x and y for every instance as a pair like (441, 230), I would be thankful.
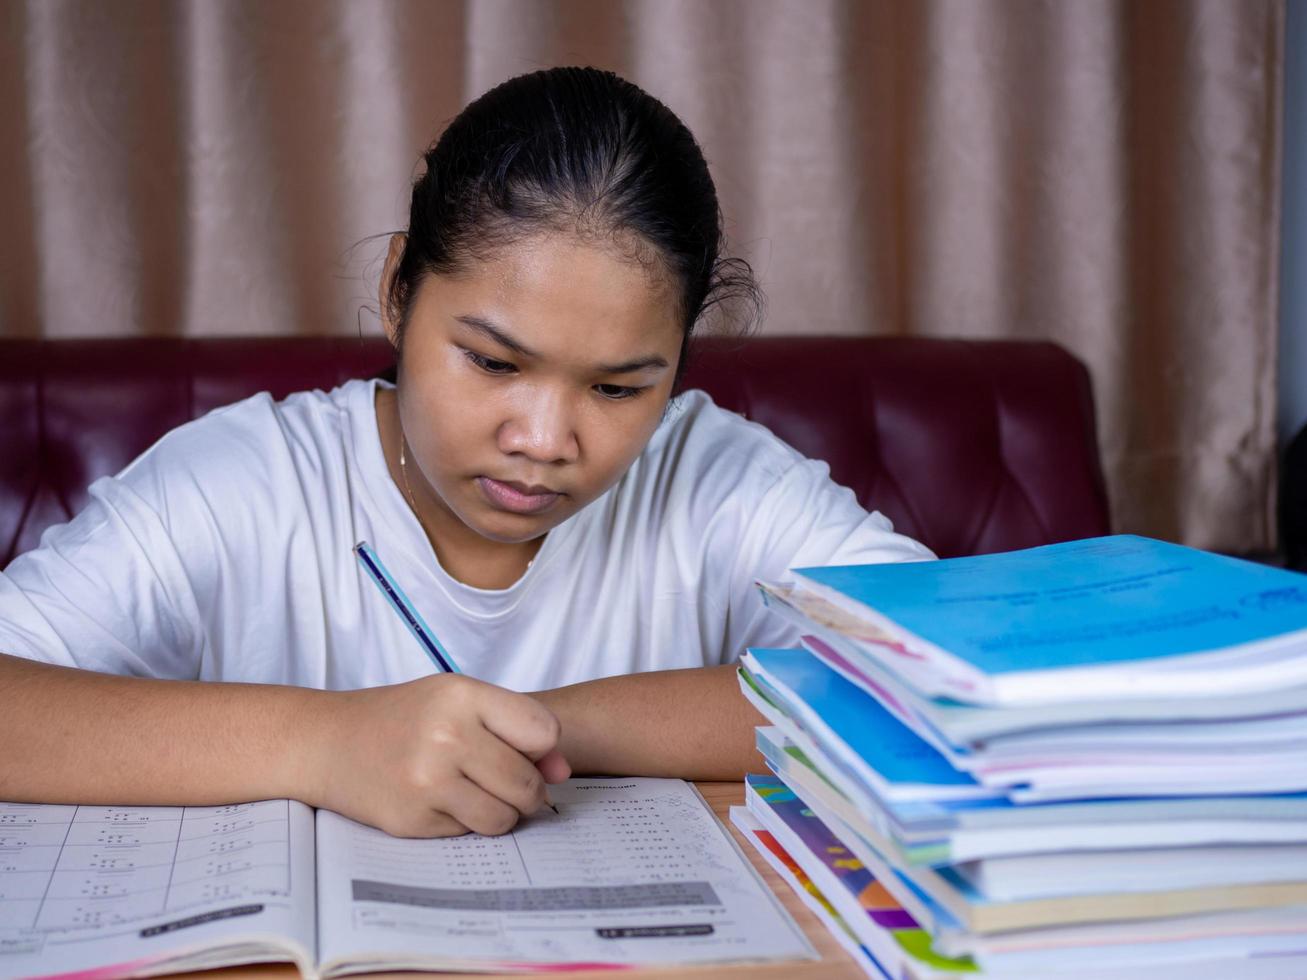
(553, 766)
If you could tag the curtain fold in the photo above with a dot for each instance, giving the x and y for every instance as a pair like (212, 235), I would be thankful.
(1103, 173)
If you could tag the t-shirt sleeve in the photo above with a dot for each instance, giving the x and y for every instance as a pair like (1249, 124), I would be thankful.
(106, 592)
(803, 519)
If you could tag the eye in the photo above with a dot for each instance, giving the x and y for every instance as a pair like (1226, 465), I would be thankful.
(617, 393)
(489, 364)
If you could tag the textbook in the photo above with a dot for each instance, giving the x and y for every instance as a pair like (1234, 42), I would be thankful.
(866, 761)
(1216, 754)
(878, 932)
(949, 907)
(862, 737)
(854, 721)
(976, 833)
(959, 724)
(850, 898)
(1085, 759)
(628, 872)
(1118, 617)
(1099, 859)
(808, 893)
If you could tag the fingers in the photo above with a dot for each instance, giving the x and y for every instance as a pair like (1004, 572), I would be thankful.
(479, 811)
(458, 755)
(507, 775)
(519, 719)
(427, 823)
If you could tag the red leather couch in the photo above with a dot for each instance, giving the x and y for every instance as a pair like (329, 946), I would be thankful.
(969, 446)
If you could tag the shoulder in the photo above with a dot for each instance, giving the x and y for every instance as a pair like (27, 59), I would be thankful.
(245, 432)
(253, 451)
(734, 490)
(701, 438)
(704, 470)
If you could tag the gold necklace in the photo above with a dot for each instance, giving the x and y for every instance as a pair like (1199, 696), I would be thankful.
(403, 472)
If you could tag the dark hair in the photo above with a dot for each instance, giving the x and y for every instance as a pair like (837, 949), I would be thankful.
(578, 150)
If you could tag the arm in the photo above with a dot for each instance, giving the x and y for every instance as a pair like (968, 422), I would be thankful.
(431, 757)
(694, 724)
(77, 736)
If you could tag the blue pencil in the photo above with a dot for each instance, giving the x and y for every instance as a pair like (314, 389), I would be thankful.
(401, 604)
(412, 618)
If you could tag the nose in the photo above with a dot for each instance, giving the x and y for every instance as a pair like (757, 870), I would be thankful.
(541, 427)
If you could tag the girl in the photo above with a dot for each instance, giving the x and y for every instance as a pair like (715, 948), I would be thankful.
(565, 525)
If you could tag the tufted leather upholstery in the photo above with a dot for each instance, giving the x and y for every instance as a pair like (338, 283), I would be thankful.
(970, 446)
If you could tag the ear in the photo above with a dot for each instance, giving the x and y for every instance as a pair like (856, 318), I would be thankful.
(389, 323)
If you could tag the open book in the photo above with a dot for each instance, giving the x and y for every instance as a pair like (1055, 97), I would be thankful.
(629, 871)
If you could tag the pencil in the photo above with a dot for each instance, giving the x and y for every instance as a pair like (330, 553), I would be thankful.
(401, 604)
(409, 614)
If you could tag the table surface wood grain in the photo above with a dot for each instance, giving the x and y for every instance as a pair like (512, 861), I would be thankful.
(834, 964)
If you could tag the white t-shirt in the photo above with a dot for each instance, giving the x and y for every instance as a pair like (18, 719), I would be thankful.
(225, 552)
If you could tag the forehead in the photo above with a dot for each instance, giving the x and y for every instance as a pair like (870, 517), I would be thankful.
(555, 291)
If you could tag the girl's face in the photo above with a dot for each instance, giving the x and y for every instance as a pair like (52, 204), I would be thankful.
(530, 382)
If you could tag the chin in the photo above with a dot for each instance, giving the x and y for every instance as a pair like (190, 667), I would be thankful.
(514, 529)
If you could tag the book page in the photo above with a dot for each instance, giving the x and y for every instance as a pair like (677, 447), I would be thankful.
(146, 887)
(629, 871)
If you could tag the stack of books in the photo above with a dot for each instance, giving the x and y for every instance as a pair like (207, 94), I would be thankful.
(1086, 759)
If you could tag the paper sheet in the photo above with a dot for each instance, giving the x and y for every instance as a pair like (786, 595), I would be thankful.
(628, 871)
(85, 886)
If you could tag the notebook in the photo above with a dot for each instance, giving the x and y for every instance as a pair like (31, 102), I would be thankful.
(628, 872)
(942, 833)
(849, 898)
(1119, 616)
(959, 724)
(864, 739)
(871, 912)
(946, 904)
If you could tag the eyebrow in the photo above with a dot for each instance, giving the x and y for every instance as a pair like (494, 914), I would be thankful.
(499, 336)
(488, 329)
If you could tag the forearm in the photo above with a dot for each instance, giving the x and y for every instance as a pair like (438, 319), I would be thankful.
(693, 724)
(74, 736)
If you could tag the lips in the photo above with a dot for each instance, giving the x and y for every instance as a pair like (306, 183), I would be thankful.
(534, 490)
(517, 498)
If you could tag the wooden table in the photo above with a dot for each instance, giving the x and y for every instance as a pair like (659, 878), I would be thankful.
(835, 964)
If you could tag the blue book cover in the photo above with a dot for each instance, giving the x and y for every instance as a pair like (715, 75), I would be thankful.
(902, 758)
(1084, 603)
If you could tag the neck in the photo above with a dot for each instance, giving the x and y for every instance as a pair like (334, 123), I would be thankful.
(463, 553)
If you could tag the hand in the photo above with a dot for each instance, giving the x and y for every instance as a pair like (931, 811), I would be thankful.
(435, 757)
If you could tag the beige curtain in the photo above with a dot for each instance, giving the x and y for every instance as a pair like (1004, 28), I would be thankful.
(1102, 173)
